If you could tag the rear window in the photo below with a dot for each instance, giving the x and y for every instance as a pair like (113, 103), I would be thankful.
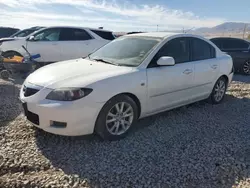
(217, 42)
(104, 34)
(234, 44)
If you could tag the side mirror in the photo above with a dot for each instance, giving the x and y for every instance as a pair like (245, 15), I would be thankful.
(166, 61)
(31, 38)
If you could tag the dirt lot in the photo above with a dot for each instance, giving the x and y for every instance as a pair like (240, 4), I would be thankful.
(200, 145)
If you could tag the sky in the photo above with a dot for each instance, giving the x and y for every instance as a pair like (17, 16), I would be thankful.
(123, 15)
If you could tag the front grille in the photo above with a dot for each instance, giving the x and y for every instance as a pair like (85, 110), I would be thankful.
(27, 91)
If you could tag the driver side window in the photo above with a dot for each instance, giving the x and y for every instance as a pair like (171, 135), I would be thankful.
(48, 35)
(177, 48)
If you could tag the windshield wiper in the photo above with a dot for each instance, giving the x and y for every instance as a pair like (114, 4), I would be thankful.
(104, 61)
(86, 56)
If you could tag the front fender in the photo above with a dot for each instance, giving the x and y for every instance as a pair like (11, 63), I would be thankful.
(133, 83)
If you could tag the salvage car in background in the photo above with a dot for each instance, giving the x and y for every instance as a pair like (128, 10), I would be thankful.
(132, 77)
(21, 33)
(26, 32)
(238, 49)
(58, 43)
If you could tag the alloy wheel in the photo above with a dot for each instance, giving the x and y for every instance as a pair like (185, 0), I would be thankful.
(219, 90)
(246, 67)
(119, 118)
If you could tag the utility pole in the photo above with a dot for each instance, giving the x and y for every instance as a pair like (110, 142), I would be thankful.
(157, 27)
(244, 31)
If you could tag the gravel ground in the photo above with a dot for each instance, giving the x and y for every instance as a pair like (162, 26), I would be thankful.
(200, 145)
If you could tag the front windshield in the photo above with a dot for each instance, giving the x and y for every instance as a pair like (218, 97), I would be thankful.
(126, 51)
(23, 33)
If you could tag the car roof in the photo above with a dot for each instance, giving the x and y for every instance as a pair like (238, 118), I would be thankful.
(229, 38)
(75, 27)
(154, 34)
(164, 35)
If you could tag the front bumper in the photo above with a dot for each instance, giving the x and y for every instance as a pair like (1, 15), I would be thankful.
(80, 115)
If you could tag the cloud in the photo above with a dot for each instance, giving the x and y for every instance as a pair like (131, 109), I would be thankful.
(110, 14)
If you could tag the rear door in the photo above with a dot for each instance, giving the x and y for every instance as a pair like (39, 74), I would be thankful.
(75, 43)
(206, 66)
(46, 43)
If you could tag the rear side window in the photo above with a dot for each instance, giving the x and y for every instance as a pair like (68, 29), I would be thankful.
(202, 50)
(71, 34)
(234, 44)
(104, 34)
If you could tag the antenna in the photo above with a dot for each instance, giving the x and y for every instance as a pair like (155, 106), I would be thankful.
(188, 30)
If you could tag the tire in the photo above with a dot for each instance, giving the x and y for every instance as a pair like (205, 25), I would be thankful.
(5, 74)
(246, 68)
(10, 54)
(113, 125)
(218, 92)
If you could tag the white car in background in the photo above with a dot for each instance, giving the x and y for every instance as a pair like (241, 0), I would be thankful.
(58, 43)
(132, 77)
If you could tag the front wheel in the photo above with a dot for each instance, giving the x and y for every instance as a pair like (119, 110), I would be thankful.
(116, 118)
(219, 91)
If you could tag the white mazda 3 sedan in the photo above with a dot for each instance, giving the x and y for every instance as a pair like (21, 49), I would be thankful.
(131, 77)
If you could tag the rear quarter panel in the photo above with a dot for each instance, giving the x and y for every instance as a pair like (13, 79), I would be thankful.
(226, 65)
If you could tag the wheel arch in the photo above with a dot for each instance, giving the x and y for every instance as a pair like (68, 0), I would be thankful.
(224, 76)
(12, 51)
(136, 99)
(133, 97)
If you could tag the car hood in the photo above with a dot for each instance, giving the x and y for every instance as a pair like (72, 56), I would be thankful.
(74, 73)
(10, 39)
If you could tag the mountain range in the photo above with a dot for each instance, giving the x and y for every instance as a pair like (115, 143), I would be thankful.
(227, 27)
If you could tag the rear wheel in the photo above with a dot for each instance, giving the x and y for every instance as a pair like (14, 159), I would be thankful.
(116, 118)
(219, 91)
(5, 74)
(246, 68)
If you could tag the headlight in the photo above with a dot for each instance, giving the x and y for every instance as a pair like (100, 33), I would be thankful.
(68, 94)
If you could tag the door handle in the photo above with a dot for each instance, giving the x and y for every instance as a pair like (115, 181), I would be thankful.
(214, 66)
(54, 44)
(188, 71)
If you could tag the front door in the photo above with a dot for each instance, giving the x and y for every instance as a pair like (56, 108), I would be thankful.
(46, 43)
(170, 86)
